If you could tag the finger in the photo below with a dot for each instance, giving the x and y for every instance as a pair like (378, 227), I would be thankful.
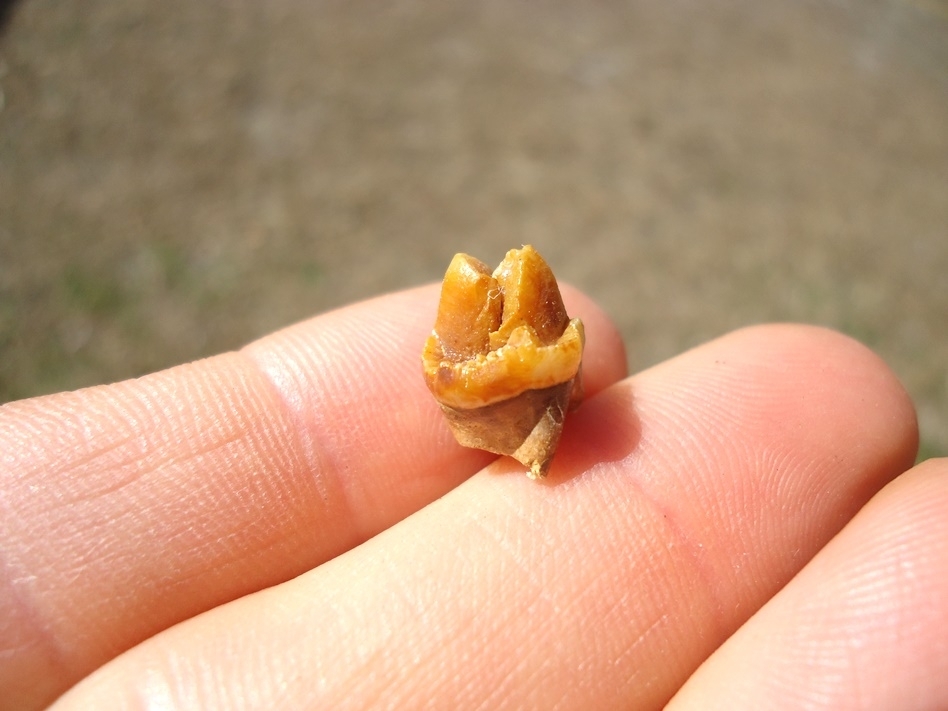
(369, 407)
(863, 626)
(681, 501)
(128, 508)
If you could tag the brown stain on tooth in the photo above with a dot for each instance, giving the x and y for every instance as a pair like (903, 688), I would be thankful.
(503, 360)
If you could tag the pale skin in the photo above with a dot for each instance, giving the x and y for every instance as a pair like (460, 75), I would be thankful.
(292, 526)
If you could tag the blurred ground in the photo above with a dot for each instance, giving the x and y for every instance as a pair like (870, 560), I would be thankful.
(177, 178)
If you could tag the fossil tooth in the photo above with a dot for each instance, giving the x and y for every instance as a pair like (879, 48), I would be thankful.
(503, 360)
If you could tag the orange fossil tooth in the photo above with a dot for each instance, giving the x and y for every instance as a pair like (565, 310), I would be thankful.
(503, 360)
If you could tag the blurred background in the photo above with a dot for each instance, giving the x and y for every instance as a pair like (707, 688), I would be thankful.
(178, 177)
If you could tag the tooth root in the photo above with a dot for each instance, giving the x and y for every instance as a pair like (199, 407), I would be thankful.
(526, 427)
(537, 450)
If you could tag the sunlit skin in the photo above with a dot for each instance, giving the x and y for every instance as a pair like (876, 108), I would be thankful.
(293, 526)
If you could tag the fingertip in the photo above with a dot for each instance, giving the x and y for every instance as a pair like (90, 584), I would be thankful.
(843, 373)
(864, 619)
(604, 359)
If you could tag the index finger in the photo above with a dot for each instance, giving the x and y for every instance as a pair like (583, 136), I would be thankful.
(130, 507)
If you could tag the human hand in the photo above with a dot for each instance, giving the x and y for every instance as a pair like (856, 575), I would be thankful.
(292, 526)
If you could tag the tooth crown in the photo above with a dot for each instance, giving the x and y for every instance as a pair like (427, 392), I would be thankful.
(498, 335)
(500, 339)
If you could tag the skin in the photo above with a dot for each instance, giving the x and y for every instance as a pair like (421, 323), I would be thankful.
(292, 526)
